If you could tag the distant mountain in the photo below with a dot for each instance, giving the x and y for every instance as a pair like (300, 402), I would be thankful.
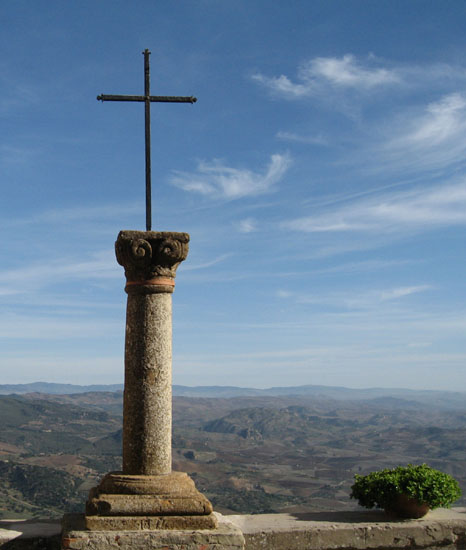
(404, 397)
(51, 388)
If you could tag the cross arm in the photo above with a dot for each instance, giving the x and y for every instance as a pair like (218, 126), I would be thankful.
(152, 98)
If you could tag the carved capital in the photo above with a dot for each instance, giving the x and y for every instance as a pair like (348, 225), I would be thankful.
(150, 259)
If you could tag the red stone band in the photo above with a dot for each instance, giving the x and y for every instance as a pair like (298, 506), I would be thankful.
(157, 281)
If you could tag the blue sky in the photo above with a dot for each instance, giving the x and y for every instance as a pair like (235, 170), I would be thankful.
(321, 176)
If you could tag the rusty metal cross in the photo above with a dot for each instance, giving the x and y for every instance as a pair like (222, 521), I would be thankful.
(147, 99)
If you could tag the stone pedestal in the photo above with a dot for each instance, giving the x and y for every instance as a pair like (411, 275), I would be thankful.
(225, 536)
(147, 495)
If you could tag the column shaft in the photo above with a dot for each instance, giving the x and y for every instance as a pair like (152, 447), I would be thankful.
(147, 407)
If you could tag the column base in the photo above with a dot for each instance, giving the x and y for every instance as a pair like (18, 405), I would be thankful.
(137, 502)
(75, 536)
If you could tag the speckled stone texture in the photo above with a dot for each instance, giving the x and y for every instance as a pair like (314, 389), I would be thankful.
(147, 494)
(150, 259)
(353, 530)
(147, 405)
(135, 502)
(225, 536)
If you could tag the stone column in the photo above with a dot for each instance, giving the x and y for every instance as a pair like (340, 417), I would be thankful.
(150, 261)
(147, 494)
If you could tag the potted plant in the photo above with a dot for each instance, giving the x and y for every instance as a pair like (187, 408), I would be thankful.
(406, 491)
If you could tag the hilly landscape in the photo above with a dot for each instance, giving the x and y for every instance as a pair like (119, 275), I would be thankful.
(294, 450)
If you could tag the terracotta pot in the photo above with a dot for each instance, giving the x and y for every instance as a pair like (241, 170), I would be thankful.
(406, 507)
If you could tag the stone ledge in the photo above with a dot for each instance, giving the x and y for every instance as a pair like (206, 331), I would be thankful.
(439, 529)
(31, 534)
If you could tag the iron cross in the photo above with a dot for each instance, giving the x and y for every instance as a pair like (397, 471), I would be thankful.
(147, 99)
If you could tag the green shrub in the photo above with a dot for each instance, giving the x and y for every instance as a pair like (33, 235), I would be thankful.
(422, 483)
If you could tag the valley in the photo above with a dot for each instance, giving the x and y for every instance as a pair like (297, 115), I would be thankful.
(248, 454)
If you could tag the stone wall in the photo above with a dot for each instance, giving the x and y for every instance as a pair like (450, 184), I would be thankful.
(439, 530)
(444, 529)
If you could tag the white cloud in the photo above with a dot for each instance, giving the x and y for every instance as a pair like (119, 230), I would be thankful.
(284, 294)
(400, 292)
(94, 213)
(347, 72)
(32, 277)
(217, 179)
(402, 136)
(312, 140)
(392, 212)
(205, 265)
(77, 215)
(366, 300)
(16, 94)
(283, 86)
(443, 120)
(324, 72)
(248, 225)
(53, 327)
(363, 265)
(433, 139)
(320, 75)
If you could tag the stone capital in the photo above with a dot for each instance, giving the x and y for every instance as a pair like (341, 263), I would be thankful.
(150, 259)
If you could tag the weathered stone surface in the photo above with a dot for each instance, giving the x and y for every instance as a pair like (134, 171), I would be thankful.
(175, 483)
(122, 495)
(138, 523)
(30, 534)
(147, 402)
(439, 529)
(149, 500)
(149, 257)
(225, 536)
(147, 494)
(142, 505)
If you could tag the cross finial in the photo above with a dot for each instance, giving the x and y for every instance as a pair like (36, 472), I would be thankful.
(147, 99)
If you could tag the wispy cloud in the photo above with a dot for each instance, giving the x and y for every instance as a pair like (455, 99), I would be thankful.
(219, 180)
(348, 72)
(248, 225)
(284, 294)
(363, 266)
(358, 300)
(205, 265)
(399, 292)
(403, 136)
(392, 212)
(311, 140)
(431, 139)
(323, 72)
(77, 214)
(319, 75)
(18, 94)
(96, 213)
(53, 327)
(100, 266)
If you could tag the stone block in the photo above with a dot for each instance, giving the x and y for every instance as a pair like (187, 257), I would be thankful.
(225, 536)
